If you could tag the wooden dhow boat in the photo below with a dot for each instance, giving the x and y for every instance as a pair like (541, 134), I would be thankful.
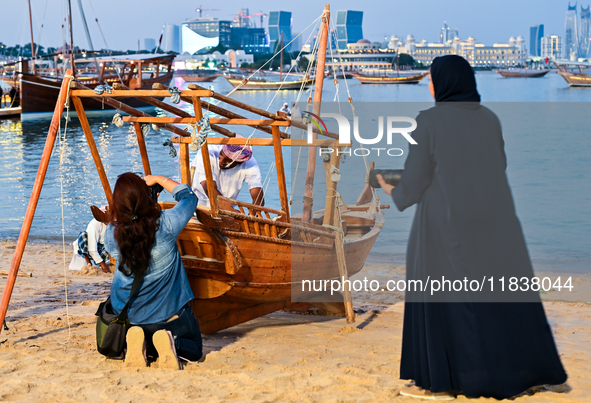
(574, 73)
(40, 92)
(510, 73)
(242, 263)
(197, 75)
(385, 79)
(254, 84)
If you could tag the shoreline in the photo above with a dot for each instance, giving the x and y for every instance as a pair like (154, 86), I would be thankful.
(279, 357)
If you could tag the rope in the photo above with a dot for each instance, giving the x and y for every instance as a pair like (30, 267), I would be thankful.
(101, 89)
(274, 56)
(175, 96)
(172, 152)
(62, 140)
(99, 27)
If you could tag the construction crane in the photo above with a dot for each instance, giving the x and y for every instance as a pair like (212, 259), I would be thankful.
(201, 10)
(262, 16)
(242, 18)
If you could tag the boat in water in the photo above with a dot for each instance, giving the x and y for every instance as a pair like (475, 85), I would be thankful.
(197, 75)
(509, 73)
(257, 84)
(383, 78)
(574, 73)
(247, 261)
(40, 92)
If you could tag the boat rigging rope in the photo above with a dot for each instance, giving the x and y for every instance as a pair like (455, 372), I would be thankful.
(350, 99)
(274, 56)
(62, 142)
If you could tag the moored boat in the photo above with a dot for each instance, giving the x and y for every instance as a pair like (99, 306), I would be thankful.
(386, 79)
(576, 78)
(39, 93)
(522, 73)
(197, 75)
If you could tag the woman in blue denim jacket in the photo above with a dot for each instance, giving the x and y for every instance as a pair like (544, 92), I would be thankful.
(142, 239)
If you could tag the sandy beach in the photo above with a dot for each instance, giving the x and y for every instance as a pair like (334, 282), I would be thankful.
(282, 357)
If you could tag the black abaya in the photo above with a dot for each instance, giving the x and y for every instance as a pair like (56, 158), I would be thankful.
(465, 226)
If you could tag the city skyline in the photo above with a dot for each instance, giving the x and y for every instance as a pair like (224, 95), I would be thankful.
(422, 18)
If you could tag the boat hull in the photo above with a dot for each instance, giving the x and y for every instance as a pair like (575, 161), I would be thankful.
(269, 85)
(237, 276)
(576, 80)
(39, 95)
(511, 74)
(365, 79)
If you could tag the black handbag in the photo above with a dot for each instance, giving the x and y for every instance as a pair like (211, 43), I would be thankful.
(111, 329)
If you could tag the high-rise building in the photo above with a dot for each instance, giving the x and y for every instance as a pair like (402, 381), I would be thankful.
(536, 33)
(148, 44)
(444, 34)
(251, 40)
(585, 32)
(202, 33)
(279, 21)
(349, 29)
(453, 34)
(571, 38)
(551, 47)
(170, 41)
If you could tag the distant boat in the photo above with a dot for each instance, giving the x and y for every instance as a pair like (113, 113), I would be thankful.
(522, 73)
(574, 79)
(386, 79)
(197, 75)
(258, 84)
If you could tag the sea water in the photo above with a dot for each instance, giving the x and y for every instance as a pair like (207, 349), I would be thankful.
(548, 164)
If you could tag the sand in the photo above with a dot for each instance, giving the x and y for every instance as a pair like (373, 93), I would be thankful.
(282, 357)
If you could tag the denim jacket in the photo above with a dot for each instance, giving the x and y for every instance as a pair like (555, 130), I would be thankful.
(165, 288)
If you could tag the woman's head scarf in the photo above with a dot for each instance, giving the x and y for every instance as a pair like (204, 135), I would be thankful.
(453, 80)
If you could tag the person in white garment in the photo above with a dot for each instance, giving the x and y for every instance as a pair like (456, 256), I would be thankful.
(90, 245)
(231, 166)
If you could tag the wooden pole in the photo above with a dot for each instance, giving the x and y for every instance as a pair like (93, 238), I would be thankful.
(72, 57)
(32, 41)
(141, 142)
(281, 58)
(309, 190)
(331, 191)
(32, 206)
(93, 150)
(280, 171)
(342, 262)
(213, 202)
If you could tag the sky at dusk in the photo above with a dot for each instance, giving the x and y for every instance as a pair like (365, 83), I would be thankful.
(125, 21)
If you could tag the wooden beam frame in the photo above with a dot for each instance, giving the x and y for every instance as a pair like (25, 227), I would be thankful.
(265, 142)
(136, 93)
(187, 120)
(32, 206)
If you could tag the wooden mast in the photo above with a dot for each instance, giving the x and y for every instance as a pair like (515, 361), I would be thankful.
(281, 58)
(71, 38)
(32, 42)
(309, 191)
(30, 213)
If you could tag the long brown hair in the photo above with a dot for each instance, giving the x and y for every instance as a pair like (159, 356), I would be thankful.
(135, 217)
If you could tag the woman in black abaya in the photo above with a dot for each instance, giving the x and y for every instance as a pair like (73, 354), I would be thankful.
(465, 226)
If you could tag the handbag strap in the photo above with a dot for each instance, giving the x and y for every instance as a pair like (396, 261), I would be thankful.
(134, 287)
